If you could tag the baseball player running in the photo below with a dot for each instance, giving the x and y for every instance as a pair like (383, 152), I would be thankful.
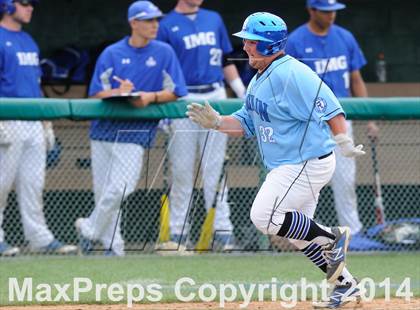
(297, 122)
(23, 144)
(137, 63)
(202, 45)
(319, 43)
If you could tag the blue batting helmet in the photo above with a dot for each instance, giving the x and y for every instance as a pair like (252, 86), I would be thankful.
(268, 29)
(8, 6)
(142, 10)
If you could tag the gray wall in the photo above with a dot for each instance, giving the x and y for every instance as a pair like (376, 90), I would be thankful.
(389, 26)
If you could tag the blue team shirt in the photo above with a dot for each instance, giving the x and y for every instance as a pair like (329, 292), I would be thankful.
(20, 73)
(150, 68)
(277, 110)
(339, 46)
(199, 44)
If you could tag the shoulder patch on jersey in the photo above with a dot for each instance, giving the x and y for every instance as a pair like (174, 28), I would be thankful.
(320, 105)
(151, 62)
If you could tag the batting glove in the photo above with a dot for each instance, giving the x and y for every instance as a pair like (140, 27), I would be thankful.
(49, 135)
(5, 138)
(347, 147)
(204, 115)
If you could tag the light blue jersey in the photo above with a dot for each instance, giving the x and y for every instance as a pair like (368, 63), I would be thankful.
(338, 49)
(199, 44)
(284, 110)
(20, 73)
(150, 68)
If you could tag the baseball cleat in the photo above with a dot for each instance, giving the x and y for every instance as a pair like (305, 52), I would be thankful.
(336, 253)
(85, 245)
(57, 247)
(223, 243)
(173, 248)
(341, 295)
(6, 250)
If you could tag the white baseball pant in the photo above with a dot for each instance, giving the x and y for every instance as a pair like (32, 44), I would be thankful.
(289, 188)
(23, 163)
(115, 166)
(343, 184)
(186, 136)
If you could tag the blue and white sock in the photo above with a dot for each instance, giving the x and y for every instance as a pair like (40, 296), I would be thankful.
(298, 226)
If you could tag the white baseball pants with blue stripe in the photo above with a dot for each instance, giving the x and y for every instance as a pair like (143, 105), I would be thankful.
(289, 188)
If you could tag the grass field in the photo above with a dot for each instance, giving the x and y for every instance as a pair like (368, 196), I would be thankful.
(211, 268)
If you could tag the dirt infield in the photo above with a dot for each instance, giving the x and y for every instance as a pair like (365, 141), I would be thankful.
(377, 304)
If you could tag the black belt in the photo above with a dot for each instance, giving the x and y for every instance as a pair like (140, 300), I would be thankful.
(325, 156)
(202, 89)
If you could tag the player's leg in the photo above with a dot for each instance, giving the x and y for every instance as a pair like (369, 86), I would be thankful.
(212, 168)
(284, 192)
(9, 161)
(30, 182)
(123, 164)
(313, 251)
(345, 287)
(343, 184)
(182, 154)
(110, 240)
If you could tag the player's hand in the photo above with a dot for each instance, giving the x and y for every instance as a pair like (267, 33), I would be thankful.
(347, 147)
(49, 135)
(372, 130)
(204, 115)
(5, 138)
(143, 99)
(126, 86)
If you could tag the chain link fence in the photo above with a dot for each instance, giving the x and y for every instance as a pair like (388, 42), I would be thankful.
(68, 192)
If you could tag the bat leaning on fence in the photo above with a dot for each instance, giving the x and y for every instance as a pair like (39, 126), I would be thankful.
(379, 207)
(164, 229)
(206, 235)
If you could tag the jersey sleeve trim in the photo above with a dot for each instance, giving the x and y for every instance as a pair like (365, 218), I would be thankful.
(332, 114)
(248, 131)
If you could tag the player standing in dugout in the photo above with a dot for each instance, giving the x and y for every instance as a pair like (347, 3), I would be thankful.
(24, 144)
(118, 146)
(333, 53)
(202, 44)
(298, 122)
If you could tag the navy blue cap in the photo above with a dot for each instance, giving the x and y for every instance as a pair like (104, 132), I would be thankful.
(325, 5)
(142, 10)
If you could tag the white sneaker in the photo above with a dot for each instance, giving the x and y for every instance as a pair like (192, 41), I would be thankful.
(6, 250)
(173, 248)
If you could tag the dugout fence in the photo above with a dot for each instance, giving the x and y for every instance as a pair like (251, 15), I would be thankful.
(68, 191)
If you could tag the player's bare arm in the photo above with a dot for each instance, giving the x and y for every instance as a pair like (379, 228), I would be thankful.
(146, 98)
(230, 126)
(359, 89)
(125, 87)
(232, 77)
